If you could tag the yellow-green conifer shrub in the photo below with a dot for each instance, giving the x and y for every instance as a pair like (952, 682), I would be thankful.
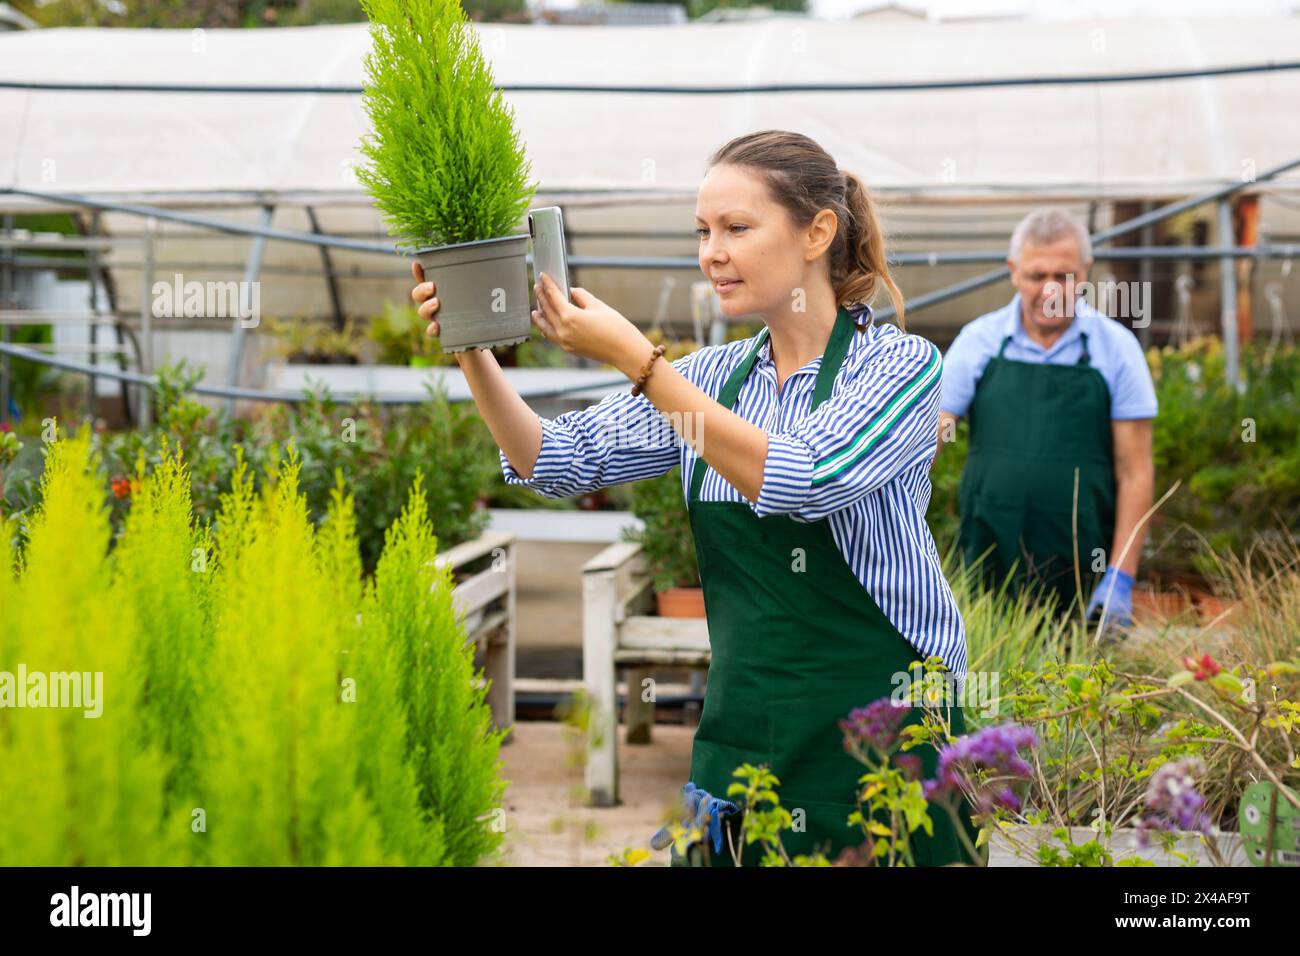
(79, 789)
(161, 569)
(369, 670)
(261, 705)
(450, 739)
(281, 786)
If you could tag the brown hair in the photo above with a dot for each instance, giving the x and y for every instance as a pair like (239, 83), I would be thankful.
(804, 179)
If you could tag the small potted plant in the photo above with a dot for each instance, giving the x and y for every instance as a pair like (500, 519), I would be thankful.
(668, 545)
(446, 168)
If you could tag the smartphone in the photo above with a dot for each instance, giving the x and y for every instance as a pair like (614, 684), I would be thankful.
(546, 230)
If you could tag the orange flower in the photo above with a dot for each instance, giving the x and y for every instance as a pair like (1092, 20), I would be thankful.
(122, 487)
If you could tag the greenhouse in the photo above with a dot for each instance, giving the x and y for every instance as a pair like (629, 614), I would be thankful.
(302, 566)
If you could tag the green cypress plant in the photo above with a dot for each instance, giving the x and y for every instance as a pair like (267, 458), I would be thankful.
(282, 781)
(445, 161)
(451, 740)
(159, 545)
(251, 681)
(446, 168)
(78, 790)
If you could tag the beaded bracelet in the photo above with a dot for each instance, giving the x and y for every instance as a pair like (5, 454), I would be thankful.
(645, 372)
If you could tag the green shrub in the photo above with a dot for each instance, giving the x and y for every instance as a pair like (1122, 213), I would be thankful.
(445, 162)
(378, 449)
(262, 705)
(78, 790)
(943, 515)
(451, 742)
(1235, 450)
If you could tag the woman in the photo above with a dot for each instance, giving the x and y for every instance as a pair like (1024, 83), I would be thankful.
(805, 454)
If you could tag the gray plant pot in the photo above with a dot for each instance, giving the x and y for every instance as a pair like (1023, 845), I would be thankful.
(482, 290)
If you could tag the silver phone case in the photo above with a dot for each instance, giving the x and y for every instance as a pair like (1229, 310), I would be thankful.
(546, 230)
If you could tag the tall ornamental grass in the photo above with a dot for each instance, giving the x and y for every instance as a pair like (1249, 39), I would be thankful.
(262, 704)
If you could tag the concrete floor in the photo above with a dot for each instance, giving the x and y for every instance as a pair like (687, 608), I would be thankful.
(546, 821)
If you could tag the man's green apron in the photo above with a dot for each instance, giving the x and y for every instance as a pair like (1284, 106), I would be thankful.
(1031, 425)
(797, 643)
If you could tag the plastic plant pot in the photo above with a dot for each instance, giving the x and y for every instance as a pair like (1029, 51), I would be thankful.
(482, 290)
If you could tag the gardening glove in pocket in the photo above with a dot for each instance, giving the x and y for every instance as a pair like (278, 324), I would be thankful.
(1115, 590)
(700, 806)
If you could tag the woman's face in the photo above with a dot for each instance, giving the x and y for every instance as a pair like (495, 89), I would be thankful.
(748, 238)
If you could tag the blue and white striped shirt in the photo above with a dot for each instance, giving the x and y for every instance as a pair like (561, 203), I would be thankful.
(862, 462)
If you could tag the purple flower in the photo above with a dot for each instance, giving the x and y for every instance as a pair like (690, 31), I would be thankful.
(1173, 802)
(875, 725)
(995, 750)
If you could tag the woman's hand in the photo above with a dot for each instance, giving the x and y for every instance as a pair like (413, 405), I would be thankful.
(423, 293)
(587, 326)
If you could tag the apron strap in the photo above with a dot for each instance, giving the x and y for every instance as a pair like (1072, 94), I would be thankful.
(836, 349)
(1005, 341)
(832, 359)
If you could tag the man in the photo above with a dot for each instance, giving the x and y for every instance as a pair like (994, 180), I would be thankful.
(1061, 403)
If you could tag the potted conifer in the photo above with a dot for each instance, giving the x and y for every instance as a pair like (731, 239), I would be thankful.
(446, 168)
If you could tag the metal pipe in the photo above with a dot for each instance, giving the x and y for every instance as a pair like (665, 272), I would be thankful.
(236, 356)
(6, 335)
(146, 313)
(677, 263)
(331, 280)
(92, 271)
(898, 87)
(1228, 292)
(1145, 274)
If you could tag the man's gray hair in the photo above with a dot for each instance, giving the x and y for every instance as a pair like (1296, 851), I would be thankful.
(1045, 225)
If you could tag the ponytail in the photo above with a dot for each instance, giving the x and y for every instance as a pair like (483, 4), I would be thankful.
(864, 262)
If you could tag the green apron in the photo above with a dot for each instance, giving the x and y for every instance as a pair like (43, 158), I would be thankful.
(1031, 425)
(793, 652)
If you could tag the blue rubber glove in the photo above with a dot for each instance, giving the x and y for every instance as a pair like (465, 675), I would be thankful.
(1115, 591)
(702, 809)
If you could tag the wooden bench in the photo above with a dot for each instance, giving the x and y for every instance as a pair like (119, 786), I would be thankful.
(618, 630)
(486, 601)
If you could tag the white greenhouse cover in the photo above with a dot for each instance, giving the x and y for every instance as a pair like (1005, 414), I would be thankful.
(1148, 139)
